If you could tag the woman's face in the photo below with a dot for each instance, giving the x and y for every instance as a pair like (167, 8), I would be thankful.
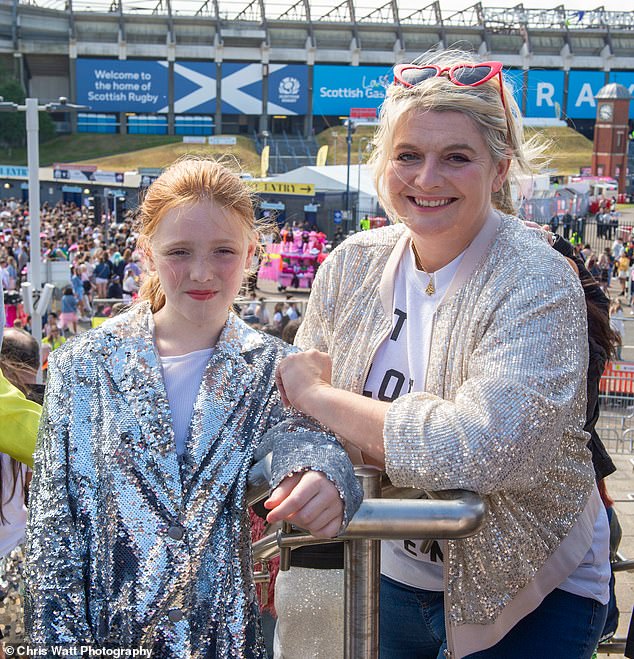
(200, 253)
(441, 176)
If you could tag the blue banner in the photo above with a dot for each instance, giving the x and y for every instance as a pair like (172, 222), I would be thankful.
(625, 78)
(545, 94)
(122, 85)
(515, 77)
(288, 89)
(582, 88)
(194, 87)
(242, 89)
(337, 89)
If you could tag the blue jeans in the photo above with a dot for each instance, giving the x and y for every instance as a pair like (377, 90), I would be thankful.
(412, 626)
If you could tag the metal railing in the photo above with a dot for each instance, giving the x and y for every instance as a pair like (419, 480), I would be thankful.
(400, 514)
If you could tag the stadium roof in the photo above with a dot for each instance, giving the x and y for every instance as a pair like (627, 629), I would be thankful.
(392, 12)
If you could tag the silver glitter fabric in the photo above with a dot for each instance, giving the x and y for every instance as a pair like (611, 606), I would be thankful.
(504, 403)
(11, 596)
(129, 545)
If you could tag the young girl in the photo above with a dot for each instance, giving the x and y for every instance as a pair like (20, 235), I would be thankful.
(138, 531)
(68, 316)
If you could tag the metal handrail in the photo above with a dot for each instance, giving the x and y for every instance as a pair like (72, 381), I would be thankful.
(447, 515)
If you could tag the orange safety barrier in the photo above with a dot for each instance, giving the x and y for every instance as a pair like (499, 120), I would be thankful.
(617, 378)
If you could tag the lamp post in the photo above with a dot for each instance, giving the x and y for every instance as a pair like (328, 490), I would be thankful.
(335, 137)
(351, 128)
(367, 144)
(32, 108)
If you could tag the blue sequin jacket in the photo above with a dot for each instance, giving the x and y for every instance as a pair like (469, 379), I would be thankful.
(130, 546)
(502, 412)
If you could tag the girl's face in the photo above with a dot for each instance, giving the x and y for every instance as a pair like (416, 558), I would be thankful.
(200, 253)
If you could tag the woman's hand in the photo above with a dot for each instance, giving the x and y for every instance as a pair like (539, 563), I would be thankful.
(308, 500)
(300, 377)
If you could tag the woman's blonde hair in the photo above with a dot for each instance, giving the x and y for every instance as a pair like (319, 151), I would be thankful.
(191, 180)
(500, 125)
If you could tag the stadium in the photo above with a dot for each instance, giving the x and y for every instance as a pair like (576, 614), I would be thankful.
(203, 67)
(280, 74)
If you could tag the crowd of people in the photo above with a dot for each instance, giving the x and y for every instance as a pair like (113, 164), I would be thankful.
(456, 348)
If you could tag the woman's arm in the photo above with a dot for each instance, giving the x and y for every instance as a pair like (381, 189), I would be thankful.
(54, 572)
(304, 382)
(523, 384)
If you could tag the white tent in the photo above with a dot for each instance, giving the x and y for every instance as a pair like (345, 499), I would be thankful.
(332, 178)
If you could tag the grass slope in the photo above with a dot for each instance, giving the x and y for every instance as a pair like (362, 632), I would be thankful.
(76, 148)
(243, 154)
(567, 151)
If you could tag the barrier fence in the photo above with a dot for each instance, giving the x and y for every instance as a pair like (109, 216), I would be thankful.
(450, 514)
(616, 401)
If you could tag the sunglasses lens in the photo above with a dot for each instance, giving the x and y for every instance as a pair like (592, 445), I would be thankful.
(415, 76)
(471, 75)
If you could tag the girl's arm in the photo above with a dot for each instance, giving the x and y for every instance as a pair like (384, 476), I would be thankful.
(312, 479)
(54, 573)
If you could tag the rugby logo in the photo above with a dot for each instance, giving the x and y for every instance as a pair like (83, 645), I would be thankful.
(288, 89)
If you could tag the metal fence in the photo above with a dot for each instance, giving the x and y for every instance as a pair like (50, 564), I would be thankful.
(616, 401)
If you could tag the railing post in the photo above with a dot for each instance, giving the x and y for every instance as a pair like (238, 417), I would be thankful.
(362, 563)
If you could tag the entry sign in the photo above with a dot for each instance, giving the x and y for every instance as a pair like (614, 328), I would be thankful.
(273, 187)
(363, 113)
(337, 217)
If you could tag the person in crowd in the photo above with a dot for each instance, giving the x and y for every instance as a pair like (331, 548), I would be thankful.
(138, 531)
(130, 285)
(262, 312)
(623, 272)
(279, 317)
(19, 361)
(68, 315)
(451, 349)
(247, 312)
(102, 273)
(53, 340)
(618, 326)
(605, 266)
(79, 293)
(115, 291)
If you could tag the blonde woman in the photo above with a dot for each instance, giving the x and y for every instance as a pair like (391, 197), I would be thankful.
(451, 349)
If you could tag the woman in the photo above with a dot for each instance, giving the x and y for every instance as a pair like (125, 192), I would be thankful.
(456, 354)
(138, 532)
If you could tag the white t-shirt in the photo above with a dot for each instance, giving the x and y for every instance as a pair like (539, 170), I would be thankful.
(182, 375)
(399, 367)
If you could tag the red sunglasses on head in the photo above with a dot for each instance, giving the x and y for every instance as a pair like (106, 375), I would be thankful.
(465, 74)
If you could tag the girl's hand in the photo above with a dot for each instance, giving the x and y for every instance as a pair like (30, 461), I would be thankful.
(308, 500)
(301, 376)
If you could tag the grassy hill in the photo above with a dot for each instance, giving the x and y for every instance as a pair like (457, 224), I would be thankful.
(160, 156)
(568, 150)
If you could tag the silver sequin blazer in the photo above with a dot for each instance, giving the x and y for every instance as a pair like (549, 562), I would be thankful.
(502, 412)
(130, 546)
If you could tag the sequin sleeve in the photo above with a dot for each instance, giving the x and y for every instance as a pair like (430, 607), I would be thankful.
(55, 599)
(298, 443)
(522, 392)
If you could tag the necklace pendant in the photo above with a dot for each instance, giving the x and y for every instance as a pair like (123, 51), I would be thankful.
(430, 290)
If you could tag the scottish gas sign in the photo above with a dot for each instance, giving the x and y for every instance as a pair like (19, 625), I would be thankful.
(337, 89)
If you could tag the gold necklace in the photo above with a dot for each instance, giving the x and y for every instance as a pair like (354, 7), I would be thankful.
(431, 288)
